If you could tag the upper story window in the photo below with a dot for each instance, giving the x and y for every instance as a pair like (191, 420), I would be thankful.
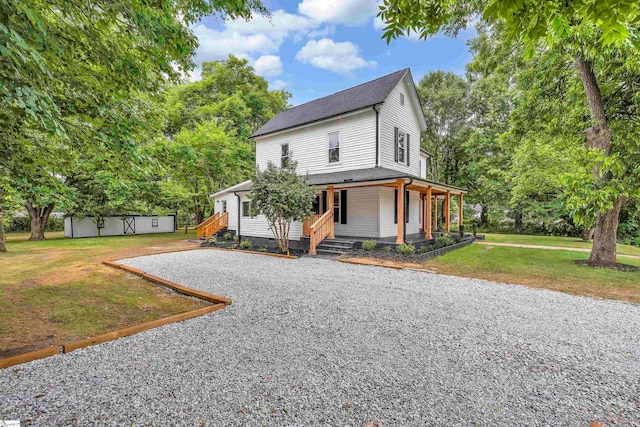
(401, 98)
(401, 147)
(284, 155)
(334, 147)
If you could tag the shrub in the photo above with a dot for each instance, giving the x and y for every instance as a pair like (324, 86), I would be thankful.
(213, 239)
(262, 249)
(369, 245)
(386, 249)
(443, 241)
(424, 249)
(227, 235)
(245, 244)
(23, 224)
(406, 249)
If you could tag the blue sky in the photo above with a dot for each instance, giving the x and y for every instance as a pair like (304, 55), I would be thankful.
(314, 48)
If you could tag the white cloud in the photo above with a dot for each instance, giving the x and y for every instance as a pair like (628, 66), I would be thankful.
(278, 84)
(347, 12)
(278, 28)
(329, 30)
(268, 66)
(216, 44)
(340, 57)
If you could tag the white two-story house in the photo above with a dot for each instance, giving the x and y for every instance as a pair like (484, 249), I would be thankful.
(361, 149)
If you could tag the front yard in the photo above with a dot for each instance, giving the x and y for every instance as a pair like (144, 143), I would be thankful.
(542, 268)
(313, 341)
(57, 290)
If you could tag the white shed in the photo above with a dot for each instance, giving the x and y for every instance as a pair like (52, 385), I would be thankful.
(75, 227)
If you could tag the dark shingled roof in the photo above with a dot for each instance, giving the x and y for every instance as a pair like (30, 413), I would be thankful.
(365, 175)
(352, 99)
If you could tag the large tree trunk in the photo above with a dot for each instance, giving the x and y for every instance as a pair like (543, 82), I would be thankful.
(484, 216)
(604, 240)
(3, 246)
(39, 218)
(599, 137)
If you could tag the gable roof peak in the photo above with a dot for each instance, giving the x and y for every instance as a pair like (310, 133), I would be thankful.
(355, 98)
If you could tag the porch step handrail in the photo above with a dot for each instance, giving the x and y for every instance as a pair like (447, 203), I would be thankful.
(319, 230)
(306, 226)
(201, 227)
(216, 225)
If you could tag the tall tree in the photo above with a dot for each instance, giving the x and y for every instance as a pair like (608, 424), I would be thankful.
(443, 96)
(208, 125)
(282, 196)
(75, 65)
(595, 33)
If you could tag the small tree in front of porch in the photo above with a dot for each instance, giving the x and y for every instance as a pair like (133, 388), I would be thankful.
(282, 196)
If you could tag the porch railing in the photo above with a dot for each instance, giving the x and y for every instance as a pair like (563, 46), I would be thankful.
(306, 226)
(201, 227)
(320, 229)
(216, 225)
(212, 225)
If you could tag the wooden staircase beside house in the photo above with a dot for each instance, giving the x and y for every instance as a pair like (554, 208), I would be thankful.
(212, 225)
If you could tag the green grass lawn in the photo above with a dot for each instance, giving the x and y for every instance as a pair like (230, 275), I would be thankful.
(571, 242)
(57, 290)
(540, 268)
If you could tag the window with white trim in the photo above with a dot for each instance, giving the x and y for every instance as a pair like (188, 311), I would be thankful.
(336, 206)
(402, 147)
(246, 208)
(334, 147)
(401, 98)
(224, 206)
(284, 154)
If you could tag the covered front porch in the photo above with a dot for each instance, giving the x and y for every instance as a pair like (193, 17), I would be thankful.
(371, 208)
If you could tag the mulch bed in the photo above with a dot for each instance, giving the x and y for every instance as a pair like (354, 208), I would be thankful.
(617, 266)
(417, 257)
(230, 244)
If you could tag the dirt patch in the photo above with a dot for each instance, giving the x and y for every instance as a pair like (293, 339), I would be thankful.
(616, 266)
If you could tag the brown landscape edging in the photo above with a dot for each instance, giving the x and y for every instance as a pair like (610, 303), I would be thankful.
(220, 302)
(120, 333)
(30, 356)
(376, 263)
(252, 252)
(178, 288)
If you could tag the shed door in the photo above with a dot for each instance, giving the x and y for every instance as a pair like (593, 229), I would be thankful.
(129, 225)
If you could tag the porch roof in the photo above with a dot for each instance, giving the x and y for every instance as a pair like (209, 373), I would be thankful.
(358, 177)
(371, 175)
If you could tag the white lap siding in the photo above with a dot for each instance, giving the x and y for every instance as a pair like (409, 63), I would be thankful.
(308, 145)
(395, 115)
(362, 213)
(388, 227)
(259, 227)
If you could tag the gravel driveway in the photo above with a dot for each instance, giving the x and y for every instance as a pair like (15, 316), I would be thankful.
(318, 342)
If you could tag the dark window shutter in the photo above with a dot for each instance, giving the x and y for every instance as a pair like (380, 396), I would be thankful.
(343, 206)
(407, 149)
(406, 206)
(395, 206)
(324, 201)
(395, 144)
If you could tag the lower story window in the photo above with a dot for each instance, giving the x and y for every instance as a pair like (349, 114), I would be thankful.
(224, 206)
(336, 206)
(246, 208)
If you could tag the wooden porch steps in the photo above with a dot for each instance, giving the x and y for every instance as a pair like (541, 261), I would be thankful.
(336, 247)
